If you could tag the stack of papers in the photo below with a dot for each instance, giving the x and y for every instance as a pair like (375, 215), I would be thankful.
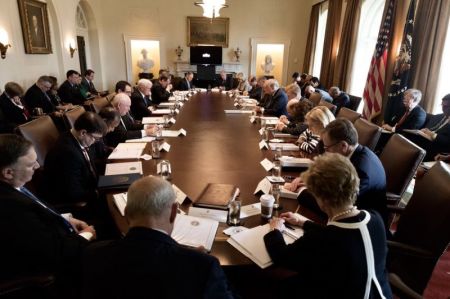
(127, 151)
(194, 231)
(143, 139)
(120, 201)
(295, 162)
(161, 111)
(123, 168)
(174, 133)
(251, 243)
(152, 120)
(289, 194)
(238, 111)
(285, 146)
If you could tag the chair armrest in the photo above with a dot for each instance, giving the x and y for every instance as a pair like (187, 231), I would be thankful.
(400, 289)
(18, 284)
(409, 250)
(395, 209)
(392, 198)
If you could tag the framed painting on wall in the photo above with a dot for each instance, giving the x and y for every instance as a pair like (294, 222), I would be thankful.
(204, 31)
(35, 28)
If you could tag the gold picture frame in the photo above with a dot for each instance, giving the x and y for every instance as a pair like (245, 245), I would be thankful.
(205, 31)
(35, 28)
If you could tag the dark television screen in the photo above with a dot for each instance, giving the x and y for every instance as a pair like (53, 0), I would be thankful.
(206, 55)
(206, 72)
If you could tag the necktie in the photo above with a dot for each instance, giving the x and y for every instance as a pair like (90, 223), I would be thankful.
(36, 200)
(88, 160)
(402, 120)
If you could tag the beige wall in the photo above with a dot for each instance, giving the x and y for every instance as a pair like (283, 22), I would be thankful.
(110, 20)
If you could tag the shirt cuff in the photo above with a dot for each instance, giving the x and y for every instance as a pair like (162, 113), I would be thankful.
(67, 216)
(143, 133)
(87, 235)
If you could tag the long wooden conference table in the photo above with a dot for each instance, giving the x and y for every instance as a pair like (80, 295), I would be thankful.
(218, 148)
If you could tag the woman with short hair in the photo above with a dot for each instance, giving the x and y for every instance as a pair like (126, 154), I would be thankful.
(347, 257)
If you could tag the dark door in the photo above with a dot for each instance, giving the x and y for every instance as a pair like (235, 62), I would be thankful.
(82, 53)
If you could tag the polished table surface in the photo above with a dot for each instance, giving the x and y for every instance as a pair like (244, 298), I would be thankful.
(218, 148)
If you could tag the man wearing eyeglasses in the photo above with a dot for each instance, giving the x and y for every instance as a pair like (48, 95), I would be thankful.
(69, 169)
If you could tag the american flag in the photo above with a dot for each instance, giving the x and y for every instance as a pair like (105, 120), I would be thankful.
(374, 89)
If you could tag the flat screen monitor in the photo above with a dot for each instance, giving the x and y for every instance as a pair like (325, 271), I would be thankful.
(206, 72)
(206, 55)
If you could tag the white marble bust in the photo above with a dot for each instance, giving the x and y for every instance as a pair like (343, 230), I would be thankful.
(267, 66)
(145, 63)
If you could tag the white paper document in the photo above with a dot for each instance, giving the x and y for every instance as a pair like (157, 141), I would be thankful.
(174, 133)
(152, 120)
(267, 164)
(161, 111)
(289, 194)
(250, 210)
(127, 151)
(285, 146)
(164, 147)
(238, 111)
(141, 140)
(275, 179)
(166, 104)
(180, 195)
(123, 168)
(251, 243)
(264, 186)
(120, 200)
(428, 165)
(194, 231)
(218, 215)
(263, 145)
(286, 161)
(283, 135)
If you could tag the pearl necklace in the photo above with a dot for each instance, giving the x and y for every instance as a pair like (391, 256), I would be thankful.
(346, 212)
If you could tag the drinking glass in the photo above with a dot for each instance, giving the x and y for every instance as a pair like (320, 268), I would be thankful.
(165, 169)
(234, 212)
(276, 170)
(276, 192)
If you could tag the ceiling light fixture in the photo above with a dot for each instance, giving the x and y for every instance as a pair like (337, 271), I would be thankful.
(211, 8)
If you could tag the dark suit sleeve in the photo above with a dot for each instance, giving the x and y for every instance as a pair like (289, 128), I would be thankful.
(216, 285)
(415, 120)
(138, 107)
(277, 107)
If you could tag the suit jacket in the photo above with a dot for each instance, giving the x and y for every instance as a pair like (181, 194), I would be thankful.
(127, 129)
(185, 85)
(70, 94)
(276, 105)
(148, 263)
(35, 97)
(67, 174)
(372, 180)
(414, 121)
(342, 100)
(159, 94)
(13, 115)
(89, 86)
(139, 106)
(227, 84)
(256, 93)
(34, 240)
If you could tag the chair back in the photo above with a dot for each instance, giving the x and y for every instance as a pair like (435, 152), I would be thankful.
(72, 115)
(315, 98)
(425, 225)
(355, 102)
(348, 114)
(330, 106)
(43, 133)
(400, 159)
(368, 133)
(98, 104)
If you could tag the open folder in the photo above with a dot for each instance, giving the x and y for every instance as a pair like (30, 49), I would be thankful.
(251, 243)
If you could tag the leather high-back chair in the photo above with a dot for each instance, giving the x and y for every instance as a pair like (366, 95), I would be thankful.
(349, 114)
(400, 159)
(423, 229)
(355, 102)
(315, 98)
(43, 133)
(71, 116)
(330, 106)
(368, 133)
(99, 103)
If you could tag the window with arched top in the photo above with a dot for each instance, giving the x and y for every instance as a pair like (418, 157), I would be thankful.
(320, 38)
(369, 25)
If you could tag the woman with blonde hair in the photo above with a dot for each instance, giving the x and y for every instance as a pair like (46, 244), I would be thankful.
(317, 119)
(243, 85)
(347, 257)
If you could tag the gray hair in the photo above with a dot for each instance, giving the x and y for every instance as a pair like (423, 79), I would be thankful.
(144, 83)
(272, 83)
(334, 91)
(415, 93)
(120, 98)
(149, 197)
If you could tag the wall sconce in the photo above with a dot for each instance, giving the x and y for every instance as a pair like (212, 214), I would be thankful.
(71, 50)
(3, 49)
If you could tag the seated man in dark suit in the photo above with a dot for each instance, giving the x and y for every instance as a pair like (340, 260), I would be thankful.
(161, 90)
(128, 128)
(186, 83)
(148, 261)
(69, 91)
(413, 117)
(340, 137)
(14, 111)
(340, 98)
(70, 174)
(257, 91)
(276, 103)
(309, 90)
(87, 85)
(224, 82)
(435, 137)
(141, 102)
(35, 238)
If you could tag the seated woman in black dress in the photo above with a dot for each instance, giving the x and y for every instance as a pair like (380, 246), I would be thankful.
(344, 259)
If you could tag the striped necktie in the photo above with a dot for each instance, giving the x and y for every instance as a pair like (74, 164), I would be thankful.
(36, 200)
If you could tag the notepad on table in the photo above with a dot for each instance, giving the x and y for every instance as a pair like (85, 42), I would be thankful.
(123, 168)
(194, 231)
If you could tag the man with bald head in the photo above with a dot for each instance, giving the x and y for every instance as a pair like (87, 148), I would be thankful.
(128, 127)
(141, 102)
(148, 262)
